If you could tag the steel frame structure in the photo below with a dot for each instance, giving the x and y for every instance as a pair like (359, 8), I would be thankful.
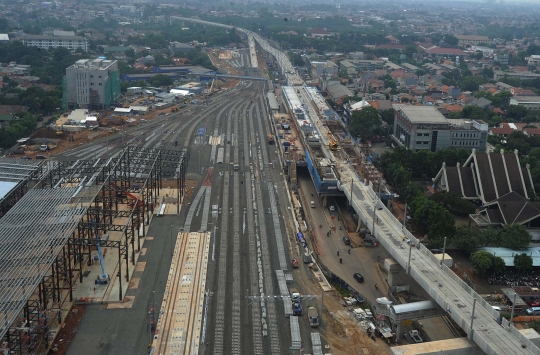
(47, 237)
(19, 171)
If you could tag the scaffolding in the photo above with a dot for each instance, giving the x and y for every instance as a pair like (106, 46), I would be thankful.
(47, 238)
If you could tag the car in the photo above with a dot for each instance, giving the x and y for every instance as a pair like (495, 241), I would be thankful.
(26, 157)
(535, 304)
(533, 311)
(347, 240)
(41, 157)
(358, 277)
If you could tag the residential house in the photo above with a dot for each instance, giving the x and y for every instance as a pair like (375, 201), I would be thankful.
(392, 39)
(481, 102)
(486, 87)
(6, 119)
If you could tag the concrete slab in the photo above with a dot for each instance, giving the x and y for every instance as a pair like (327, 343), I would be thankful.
(140, 266)
(134, 283)
(436, 329)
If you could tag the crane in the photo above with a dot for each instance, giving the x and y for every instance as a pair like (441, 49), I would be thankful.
(333, 144)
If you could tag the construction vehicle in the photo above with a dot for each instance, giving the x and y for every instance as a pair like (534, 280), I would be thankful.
(59, 131)
(131, 204)
(313, 316)
(270, 139)
(174, 109)
(295, 263)
(112, 130)
(415, 335)
(333, 144)
(103, 278)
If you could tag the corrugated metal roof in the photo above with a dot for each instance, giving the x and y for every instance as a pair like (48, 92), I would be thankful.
(414, 307)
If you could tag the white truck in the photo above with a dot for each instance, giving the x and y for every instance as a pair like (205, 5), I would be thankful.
(415, 335)
(313, 316)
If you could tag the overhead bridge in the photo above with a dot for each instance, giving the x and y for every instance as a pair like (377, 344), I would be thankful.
(228, 76)
(470, 311)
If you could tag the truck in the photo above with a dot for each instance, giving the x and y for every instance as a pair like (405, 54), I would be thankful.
(313, 316)
(415, 335)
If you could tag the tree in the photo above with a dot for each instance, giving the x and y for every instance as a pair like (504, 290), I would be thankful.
(490, 236)
(451, 40)
(517, 112)
(441, 225)
(497, 264)
(514, 236)
(160, 80)
(410, 50)
(468, 239)
(365, 122)
(454, 203)
(388, 116)
(523, 262)
(482, 261)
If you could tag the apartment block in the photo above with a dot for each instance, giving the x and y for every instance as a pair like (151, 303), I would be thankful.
(46, 42)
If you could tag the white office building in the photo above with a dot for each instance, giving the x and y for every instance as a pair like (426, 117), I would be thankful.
(46, 42)
(91, 83)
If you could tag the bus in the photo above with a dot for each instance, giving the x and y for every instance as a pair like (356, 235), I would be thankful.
(220, 154)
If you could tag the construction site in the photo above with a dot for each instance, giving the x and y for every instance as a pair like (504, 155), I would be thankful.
(72, 232)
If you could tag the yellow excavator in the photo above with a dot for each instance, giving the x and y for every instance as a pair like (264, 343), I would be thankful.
(333, 144)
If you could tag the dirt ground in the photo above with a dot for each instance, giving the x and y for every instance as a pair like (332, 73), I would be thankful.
(68, 331)
(343, 334)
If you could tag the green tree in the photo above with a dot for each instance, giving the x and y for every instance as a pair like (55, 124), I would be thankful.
(441, 224)
(523, 262)
(497, 264)
(450, 40)
(365, 122)
(517, 112)
(410, 50)
(388, 116)
(468, 239)
(490, 236)
(161, 80)
(514, 236)
(482, 261)
(454, 203)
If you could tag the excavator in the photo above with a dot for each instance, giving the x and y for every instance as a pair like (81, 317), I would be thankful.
(333, 144)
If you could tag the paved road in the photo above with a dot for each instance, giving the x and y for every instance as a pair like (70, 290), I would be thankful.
(124, 331)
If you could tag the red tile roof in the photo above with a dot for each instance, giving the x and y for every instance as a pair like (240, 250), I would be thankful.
(532, 131)
(501, 131)
(448, 51)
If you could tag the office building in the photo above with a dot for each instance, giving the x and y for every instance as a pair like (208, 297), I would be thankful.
(91, 83)
(464, 40)
(425, 128)
(46, 42)
(529, 102)
(521, 75)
